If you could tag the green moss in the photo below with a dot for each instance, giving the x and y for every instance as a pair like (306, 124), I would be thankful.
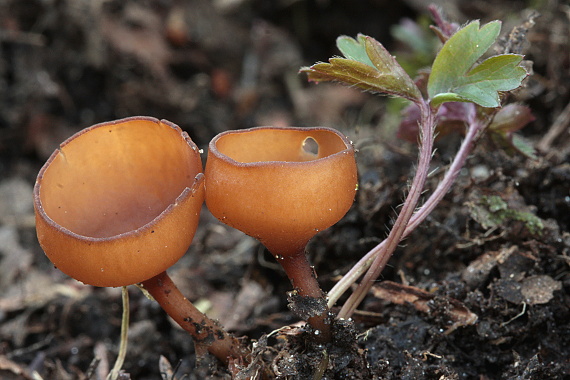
(493, 211)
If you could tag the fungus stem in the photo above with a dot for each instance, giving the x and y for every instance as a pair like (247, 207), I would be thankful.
(303, 279)
(114, 374)
(205, 331)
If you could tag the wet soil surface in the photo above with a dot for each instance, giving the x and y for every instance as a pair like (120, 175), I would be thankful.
(481, 290)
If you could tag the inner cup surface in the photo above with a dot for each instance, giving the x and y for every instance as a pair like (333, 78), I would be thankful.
(274, 144)
(114, 178)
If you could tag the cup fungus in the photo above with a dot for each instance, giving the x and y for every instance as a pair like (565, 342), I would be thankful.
(117, 204)
(282, 186)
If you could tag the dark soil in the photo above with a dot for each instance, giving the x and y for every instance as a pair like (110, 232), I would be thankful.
(474, 293)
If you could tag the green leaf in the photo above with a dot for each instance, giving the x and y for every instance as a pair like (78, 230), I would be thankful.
(353, 49)
(367, 65)
(509, 119)
(523, 146)
(456, 77)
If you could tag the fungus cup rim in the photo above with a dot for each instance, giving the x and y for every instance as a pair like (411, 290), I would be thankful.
(213, 149)
(186, 193)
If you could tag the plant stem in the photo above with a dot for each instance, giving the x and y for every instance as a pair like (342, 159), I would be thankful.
(114, 374)
(474, 127)
(205, 331)
(427, 125)
(303, 279)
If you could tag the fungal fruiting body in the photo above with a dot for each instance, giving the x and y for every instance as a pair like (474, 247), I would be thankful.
(119, 202)
(282, 186)
(267, 183)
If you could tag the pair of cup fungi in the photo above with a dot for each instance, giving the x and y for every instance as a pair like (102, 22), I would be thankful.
(118, 204)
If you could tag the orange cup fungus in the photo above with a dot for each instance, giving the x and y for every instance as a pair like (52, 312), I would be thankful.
(119, 202)
(280, 185)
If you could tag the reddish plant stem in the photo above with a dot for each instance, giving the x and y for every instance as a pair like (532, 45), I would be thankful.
(474, 128)
(205, 331)
(303, 279)
(427, 125)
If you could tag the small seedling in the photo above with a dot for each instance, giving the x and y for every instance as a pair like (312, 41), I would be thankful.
(456, 76)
